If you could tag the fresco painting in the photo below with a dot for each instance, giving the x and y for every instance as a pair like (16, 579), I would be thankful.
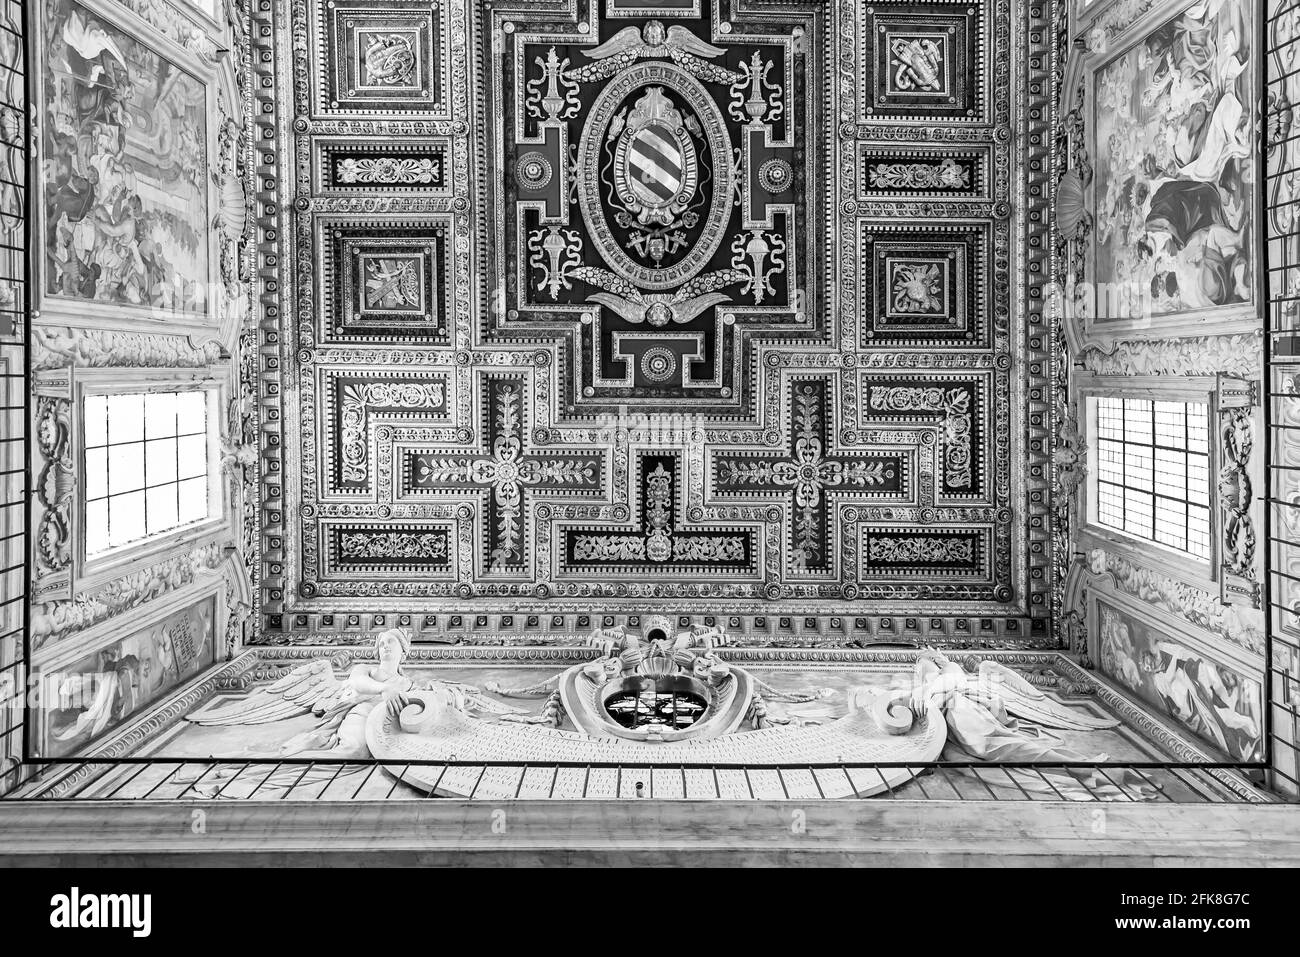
(1174, 163)
(1209, 699)
(102, 689)
(125, 158)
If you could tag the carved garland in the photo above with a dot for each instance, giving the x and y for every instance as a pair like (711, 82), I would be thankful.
(1235, 493)
(57, 348)
(55, 619)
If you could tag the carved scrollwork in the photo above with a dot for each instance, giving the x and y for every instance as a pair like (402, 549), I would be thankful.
(913, 551)
(357, 400)
(953, 405)
(55, 484)
(394, 545)
(1239, 543)
(945, 174)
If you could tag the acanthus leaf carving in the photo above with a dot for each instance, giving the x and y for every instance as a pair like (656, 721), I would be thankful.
(1239, 355)
(57, 347)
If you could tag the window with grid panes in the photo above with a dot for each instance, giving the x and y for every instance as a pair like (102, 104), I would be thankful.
(1153, 471)
(146, 465)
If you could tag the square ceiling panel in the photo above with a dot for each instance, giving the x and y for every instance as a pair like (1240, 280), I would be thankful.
(611, 307)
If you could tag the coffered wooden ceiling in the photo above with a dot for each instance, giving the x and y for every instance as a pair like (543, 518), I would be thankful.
(583, 310)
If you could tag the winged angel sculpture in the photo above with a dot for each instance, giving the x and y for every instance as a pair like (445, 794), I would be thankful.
(984, 714)
(341, 705)
(943, 712)
(938, 712)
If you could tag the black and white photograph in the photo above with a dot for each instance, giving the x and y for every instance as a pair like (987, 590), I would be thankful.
(651, 434)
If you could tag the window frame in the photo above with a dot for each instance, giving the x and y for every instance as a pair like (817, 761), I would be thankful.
(90, 572)
(1176, 563)
(1116, 492)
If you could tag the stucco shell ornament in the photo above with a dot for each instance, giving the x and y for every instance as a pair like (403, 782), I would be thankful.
(1071, 217)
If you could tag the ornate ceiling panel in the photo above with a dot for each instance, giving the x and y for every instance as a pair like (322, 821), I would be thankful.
(590, 308)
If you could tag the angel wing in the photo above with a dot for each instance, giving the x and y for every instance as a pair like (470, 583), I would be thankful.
(680, 38)
(308, 689)
(629, 38)
(1025, 701)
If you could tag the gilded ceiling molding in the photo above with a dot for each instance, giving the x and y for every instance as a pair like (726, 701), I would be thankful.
(1068, 465)
(242, 440)
(864, 631)
(339, 308)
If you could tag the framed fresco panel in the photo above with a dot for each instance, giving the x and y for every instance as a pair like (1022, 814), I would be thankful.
(94, 684)
(1215, 695)
(1175, 240)
(127, 196)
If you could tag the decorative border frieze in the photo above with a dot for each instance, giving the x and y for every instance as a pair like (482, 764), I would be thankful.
(1239, 355)
(1238, 625)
